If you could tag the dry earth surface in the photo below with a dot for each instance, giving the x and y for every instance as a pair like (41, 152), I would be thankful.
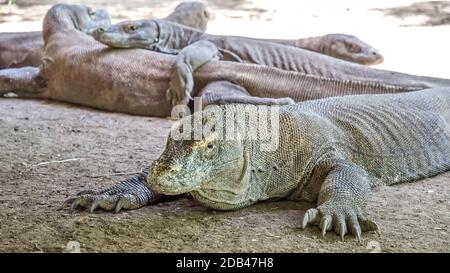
(49, 150)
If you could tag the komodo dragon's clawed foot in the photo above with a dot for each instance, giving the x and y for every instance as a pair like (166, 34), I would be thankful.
(342, 219)
(131, 193)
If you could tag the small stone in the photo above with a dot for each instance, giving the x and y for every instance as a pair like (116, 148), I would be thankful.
(73, 247)
(374, 247)
(16, 128)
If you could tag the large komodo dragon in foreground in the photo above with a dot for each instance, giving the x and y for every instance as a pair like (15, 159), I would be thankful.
(331, 151)
(78, 69)
(20, 49)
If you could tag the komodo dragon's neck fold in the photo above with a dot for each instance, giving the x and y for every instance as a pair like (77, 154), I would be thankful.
(238, 196)
(58, 20)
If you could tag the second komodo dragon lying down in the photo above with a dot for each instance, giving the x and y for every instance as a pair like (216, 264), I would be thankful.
(331, 151)
(169, 37)
(78, 69)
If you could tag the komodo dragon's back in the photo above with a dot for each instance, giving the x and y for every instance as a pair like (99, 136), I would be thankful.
(396, 138)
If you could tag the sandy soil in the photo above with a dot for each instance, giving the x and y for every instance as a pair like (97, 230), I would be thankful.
(49, 151)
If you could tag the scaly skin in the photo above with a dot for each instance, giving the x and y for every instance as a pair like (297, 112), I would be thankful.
(341, 46)
(78, 69)
(331, 151)
(199, 48)
(191, 14)
(21, 49)
(172, 38)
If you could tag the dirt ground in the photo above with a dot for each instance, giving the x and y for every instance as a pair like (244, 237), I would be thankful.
(49, 151)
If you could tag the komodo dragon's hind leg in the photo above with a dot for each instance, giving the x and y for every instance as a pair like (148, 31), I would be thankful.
(24, 81)
(224, 92)
(131, 193)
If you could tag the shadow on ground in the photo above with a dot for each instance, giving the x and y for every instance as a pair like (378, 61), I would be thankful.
(436, 13)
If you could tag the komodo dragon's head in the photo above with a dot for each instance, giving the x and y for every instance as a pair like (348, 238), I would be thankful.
(191, 14)
(149, 33)
(82, 18)
(131, 34)
(212, 169)
(350, 48)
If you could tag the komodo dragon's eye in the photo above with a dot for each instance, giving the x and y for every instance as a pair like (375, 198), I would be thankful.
(353, 47)
(210, 145)
(91, 12)
(132, 28)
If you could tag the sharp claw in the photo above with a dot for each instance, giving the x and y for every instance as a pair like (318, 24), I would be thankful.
(119, 205)
(342, 230)
(358, 235)
(325, 224)
(75, 204)
(378, 231)
(374, 226)
(369, 225)
(94, 205)
(188, 95)
(305, 220)
(309, 217)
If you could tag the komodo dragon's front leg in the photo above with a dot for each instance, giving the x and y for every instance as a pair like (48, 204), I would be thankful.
(342, 199)
(131, 193)
(193, 57)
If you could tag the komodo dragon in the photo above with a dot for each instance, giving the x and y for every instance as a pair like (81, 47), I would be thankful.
(169, 37)
(331, 151)
(342, 46)
(196, 48)
(78, 69)
(20, 49)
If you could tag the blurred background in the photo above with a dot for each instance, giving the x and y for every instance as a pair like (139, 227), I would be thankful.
(413, 36)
